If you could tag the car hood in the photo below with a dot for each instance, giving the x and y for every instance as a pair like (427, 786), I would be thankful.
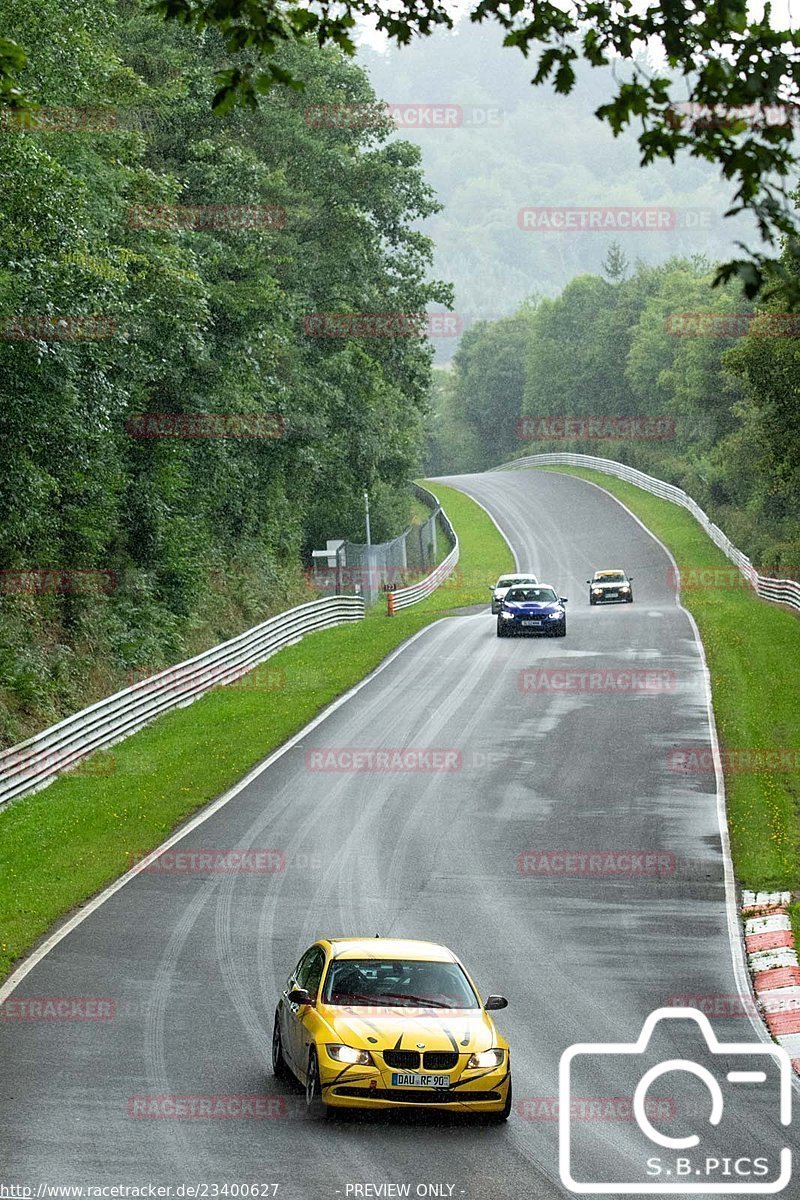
(604, 583)
(531, 606)
(398, 1028)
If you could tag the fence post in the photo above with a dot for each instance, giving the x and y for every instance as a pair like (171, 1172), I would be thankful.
(390, 603)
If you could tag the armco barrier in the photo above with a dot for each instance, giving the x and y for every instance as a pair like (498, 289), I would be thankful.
(780, 591)
(39, 760)
(405, 597)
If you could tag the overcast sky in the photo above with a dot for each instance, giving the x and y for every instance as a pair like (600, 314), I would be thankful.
(783, 12)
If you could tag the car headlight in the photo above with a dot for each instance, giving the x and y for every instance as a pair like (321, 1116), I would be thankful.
(348, 1054)
(597, 591)
(625, 588)
(507, 616)
(487, 1058)
(556, 616)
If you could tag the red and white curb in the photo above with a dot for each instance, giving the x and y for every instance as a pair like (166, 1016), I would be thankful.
(774, 965)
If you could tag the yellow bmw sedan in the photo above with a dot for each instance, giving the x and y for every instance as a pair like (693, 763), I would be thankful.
(382, 1023)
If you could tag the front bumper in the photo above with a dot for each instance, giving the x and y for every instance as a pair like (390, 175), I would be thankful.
(476, 1091)
(547, 628)
(615, 598)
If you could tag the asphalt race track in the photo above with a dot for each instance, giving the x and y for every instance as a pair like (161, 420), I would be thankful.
(194, 962)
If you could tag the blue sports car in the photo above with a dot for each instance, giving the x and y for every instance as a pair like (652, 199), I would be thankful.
(535, 610)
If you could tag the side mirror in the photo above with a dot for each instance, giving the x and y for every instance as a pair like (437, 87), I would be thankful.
(493, 1002)
(491, 587)
(299, 996)
(588, 581)
(563, 599)
(630, 579)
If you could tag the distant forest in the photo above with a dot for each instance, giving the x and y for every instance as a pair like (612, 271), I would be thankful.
(519, 146)
(719, 380)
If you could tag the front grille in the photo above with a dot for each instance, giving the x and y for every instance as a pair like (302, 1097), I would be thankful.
(416, 1095)
(439, 1060)
(405, 1060)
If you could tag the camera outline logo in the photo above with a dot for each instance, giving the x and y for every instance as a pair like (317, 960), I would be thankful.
(639, 1047)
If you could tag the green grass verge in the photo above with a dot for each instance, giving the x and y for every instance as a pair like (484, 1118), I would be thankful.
(752, 648)
(64, 844)
(483, 555)
(794, 914)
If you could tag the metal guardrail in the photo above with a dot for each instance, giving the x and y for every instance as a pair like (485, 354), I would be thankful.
(33, 764)
(370, 569)
(780, 591)
(405, 597)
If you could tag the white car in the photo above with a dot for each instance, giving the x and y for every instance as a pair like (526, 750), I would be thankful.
(505, 582)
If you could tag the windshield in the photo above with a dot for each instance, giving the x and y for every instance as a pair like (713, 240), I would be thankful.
(398, 984)
(541, 595)
(610, 576)
(506, 581)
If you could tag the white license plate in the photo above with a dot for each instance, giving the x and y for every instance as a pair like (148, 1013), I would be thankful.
(530, 622)
(411, 1079)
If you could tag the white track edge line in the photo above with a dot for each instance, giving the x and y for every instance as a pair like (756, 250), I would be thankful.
(502, 533)
(735, 935)
(40, 952)
(91, 906)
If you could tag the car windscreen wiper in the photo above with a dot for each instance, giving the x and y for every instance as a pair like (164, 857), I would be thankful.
(413, 1000)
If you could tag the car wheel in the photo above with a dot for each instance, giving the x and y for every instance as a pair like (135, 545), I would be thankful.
(561, 632)
(630, 599)
(280, 1068)
(315, 1105)
(497, 1118)
(500, 630)
(592, 602)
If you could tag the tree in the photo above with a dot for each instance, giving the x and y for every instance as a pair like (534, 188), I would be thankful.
(489, 383)
(731, 62)
(615, 263)
(209, 322)
(664, 343)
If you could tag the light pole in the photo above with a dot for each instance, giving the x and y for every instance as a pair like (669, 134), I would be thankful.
(366, 506)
